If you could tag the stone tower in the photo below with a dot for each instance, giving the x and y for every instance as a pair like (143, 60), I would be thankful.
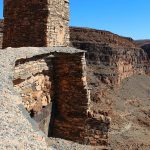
(36, 23)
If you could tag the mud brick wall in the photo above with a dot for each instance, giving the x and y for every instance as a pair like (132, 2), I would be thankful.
(33, 80)
(36, 23)
(72, 118)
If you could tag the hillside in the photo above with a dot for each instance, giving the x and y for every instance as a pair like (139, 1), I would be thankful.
(88, 35)
(142, 42)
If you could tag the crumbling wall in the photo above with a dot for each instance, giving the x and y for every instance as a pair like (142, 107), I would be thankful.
(36, 23)
(73, 118)
(33, 79)
(54, 91)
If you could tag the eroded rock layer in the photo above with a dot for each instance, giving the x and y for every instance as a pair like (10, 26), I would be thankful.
(115, 57)
(110, 59)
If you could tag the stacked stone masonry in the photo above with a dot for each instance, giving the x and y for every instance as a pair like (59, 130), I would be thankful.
(54, 91)
(74, 121)
(36, 23)
(33, 80)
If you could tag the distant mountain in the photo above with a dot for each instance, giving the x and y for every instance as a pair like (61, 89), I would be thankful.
(144, 44)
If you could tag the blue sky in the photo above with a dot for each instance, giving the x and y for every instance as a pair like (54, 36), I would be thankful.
(124, 17)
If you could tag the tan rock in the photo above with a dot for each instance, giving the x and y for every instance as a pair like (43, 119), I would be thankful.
(38, 88)
(44, 101)
(37, 94)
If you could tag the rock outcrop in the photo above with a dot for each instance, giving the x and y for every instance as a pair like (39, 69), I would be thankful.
(115, 57)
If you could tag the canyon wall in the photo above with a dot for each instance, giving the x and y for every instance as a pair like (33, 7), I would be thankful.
(115, 57)
(36, 23)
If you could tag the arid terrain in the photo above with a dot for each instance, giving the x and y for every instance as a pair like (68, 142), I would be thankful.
(118, 70)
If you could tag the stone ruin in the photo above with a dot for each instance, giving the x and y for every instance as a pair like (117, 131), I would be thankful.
(36, 23)
(52, 81)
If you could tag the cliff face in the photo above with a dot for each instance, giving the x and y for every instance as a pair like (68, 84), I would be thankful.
(114, 56)
(88, 35)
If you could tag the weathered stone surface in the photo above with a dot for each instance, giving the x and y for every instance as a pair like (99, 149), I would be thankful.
(73, 119)
(35, 85)
(16, 131)
(108, 64)
(36, 23)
